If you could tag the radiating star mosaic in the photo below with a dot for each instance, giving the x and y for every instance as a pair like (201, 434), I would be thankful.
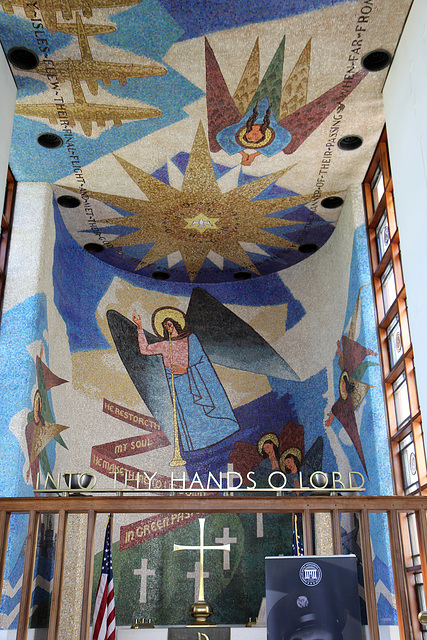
(200, 218)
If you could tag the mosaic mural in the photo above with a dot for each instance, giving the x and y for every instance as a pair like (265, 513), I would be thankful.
(205, 105)
(201, 301)
(209, 364)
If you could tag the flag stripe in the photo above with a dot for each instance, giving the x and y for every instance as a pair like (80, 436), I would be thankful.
(104, 614)
(297, 545)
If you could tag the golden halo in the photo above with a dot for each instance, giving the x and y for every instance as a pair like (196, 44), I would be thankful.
(267, 436)
(161, 314)
(269, 137)
(37, 395)
(342, 386)
(294, 451)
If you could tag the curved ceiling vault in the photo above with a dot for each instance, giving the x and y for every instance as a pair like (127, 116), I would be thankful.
(199, 141)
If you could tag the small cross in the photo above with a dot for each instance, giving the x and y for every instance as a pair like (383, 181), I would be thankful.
(201, 549)
(144, 573)
(226, 538)
(259, 525)
(196, 576)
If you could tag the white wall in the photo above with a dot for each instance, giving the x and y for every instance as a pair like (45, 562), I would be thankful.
(405, 104)
(7, 110)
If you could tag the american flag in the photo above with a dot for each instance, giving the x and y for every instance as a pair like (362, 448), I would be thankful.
(104, 613)
(297, 546)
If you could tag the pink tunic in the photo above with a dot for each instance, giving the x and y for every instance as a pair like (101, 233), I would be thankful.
(179, 351)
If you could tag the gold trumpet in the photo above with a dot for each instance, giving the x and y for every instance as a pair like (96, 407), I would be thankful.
(177, 460)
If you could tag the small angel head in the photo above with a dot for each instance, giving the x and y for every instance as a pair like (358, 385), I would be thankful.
(169, 321)
(268, 445)
(290, 460)
(171, 328)
(255, 133)
(37, 407)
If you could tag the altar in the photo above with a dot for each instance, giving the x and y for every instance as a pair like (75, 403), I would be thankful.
(236, 633)
(161, 633)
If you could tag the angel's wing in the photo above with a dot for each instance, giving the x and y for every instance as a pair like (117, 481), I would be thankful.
(313, 459)
(291, 436)
(46, 379)
(305, 120)
(230, 341)
(146, 372)
(244, 457)
(222, 110)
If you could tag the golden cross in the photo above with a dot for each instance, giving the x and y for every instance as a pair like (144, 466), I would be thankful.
(201, 548)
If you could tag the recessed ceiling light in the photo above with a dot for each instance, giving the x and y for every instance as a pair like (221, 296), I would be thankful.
(93, 247)
(242, 275)
(70, 202)
(23, 58)
(332, 202)
(310, 247)
(350, 143)
(376, 60)
(50, 140)
(161, 275)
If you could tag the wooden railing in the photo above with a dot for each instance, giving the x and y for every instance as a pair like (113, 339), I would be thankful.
(394, 507)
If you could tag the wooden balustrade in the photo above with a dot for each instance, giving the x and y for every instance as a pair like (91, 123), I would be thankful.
(393, 506)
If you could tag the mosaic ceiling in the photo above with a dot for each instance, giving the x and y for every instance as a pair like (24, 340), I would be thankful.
(199, 141)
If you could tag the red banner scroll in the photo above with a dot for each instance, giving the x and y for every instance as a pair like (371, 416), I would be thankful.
(130, 416)
(107, 459)
(104, 457)
(153, 526)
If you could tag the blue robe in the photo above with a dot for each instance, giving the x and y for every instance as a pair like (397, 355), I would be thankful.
(204, 413)
(262, 473)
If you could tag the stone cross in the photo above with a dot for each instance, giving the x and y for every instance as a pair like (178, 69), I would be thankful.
(259, 525)
(225, 539)
(144, 573)
(195, 575)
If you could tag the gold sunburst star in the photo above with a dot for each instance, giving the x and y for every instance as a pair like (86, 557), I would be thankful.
(166, 218)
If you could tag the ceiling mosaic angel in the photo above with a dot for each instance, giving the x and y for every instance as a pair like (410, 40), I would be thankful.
(264, 117)
(352, 390)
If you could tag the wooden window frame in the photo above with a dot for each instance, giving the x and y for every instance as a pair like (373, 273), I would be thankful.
(405, 363)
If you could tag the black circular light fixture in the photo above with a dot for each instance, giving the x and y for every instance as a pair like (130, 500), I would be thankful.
(332, 202)
(161, 275)
(69, 202)
(376, 60)
(350, 143)
(93, 247)
(23, 58)
(309, 247)
(242, 275)
(50, 140)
